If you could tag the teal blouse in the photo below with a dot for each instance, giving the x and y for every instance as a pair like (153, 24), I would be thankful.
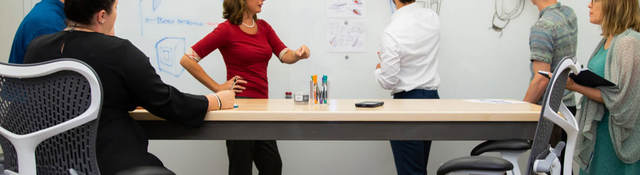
(596, 64)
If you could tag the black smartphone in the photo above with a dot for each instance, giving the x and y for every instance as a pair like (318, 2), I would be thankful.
(369, 104)
(545, 74)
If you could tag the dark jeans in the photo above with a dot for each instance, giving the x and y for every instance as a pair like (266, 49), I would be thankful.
(242, 154)
(411, 157)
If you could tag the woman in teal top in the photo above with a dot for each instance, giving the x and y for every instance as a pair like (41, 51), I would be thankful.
(609, 137)
(604, 159)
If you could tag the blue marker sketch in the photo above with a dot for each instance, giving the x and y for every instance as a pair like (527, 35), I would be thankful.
(169, 51)
(141, 16)
(152, 17)
(156, 4)
(392, 5)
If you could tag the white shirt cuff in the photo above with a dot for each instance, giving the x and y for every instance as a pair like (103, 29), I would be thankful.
(193, 55)
(379, 78)
(282, 52)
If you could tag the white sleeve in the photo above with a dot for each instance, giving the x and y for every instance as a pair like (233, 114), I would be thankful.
(390, 63)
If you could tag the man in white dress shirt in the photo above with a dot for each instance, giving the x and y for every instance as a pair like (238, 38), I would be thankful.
(408, 67)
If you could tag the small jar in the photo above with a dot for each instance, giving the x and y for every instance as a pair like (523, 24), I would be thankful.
(288, 95)
(301, 99)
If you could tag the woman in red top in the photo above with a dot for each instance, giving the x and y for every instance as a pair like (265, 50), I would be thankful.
(246, 44)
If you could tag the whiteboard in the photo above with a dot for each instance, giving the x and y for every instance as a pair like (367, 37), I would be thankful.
(475, 61)
(163, 29)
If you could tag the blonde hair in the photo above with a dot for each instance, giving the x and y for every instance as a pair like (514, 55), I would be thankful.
(234, 10)
(619, 15)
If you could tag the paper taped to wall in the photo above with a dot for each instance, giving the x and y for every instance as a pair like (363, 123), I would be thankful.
(346, 36)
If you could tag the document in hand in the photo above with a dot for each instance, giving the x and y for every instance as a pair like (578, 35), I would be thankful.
(590, 79)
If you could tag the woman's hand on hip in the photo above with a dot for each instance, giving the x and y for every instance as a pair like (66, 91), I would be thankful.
(229, 85)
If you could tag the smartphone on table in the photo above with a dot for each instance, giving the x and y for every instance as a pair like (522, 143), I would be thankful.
(369, 104)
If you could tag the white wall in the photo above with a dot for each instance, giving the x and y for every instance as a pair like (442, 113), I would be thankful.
(11, 13)
(473, 63)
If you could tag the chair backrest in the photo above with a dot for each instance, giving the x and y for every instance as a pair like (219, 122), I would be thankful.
(551, 103)
(49, 117)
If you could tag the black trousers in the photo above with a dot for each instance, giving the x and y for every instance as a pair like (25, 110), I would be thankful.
(243, 153)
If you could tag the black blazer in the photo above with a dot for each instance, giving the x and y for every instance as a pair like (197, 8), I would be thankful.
(128, 80)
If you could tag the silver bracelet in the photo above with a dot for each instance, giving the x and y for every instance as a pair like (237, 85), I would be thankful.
(219, 102)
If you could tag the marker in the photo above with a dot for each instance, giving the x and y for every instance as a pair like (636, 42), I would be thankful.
(233, 86)
(235, 79)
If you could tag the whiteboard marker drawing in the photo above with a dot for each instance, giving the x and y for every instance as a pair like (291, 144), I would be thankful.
(168, 52)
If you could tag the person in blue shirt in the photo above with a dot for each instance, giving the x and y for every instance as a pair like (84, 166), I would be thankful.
(46, 17)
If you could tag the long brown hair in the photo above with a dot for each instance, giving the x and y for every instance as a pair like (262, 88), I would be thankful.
(620, 15)
(234, 10)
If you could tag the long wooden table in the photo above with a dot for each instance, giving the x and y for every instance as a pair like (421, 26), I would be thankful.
(282, 119)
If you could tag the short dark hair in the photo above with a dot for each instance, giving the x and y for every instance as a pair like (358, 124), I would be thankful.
(82, 11)
(407, 1)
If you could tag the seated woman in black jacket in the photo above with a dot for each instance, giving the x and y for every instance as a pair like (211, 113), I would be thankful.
(128, 81)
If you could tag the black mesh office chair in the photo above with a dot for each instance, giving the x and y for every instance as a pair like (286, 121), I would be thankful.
(545, 159)
(146, 171)
(49, 117)
(509, 150)
(1, 161)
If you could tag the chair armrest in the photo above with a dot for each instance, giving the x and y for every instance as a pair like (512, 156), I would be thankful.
(9, 172)
(501, 145)
(475, 163)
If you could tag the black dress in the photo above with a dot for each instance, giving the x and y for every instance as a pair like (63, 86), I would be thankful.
(128, 80)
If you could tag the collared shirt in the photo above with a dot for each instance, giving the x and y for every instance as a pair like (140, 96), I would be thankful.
(409, 48)
(46, 17)
(553, 37)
